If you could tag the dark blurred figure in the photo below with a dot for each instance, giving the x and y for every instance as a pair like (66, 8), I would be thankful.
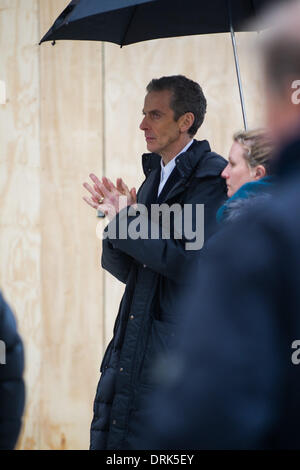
(12, 393)
(234, 379)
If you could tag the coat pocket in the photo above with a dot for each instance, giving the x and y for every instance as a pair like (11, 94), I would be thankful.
(160, 342)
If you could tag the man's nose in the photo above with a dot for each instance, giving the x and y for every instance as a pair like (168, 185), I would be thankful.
(144, 125)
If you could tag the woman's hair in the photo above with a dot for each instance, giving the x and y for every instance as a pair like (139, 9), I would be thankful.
(258, 147)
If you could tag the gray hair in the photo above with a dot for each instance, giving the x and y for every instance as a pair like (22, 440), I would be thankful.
(187, 97)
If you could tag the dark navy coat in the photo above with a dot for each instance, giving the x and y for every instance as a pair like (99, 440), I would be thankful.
(12, 393)
(236, 384)
(153, 270)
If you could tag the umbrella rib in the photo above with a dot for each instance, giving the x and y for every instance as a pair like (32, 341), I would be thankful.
(237, 67)
(128, 26)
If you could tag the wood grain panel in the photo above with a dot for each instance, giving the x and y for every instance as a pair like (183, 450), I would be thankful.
(72, 294)
(20, 238)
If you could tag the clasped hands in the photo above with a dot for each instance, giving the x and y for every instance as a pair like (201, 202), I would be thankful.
(107, 197)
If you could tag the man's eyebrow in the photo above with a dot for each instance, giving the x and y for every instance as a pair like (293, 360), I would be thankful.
(152, 111)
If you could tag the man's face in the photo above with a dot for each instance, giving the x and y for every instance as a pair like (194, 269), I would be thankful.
(162, 132)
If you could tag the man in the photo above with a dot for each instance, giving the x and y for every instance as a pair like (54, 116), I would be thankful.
(234, 382)
(12, 392)
(179, 170)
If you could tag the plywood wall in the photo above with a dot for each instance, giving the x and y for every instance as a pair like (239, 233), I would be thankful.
(20, 235)
(71, 279)
(73, 109)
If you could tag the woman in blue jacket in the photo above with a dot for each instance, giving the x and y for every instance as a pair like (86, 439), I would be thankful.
(247, 173)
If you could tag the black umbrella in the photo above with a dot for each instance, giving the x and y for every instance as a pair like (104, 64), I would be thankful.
(130, 21)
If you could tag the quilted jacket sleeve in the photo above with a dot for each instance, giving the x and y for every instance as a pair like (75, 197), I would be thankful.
(171, 256)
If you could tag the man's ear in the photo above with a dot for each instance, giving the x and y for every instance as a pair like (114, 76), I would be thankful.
(259, 172)
(186, 121)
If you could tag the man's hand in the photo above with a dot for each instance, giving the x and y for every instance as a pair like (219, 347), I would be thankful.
(107, 197)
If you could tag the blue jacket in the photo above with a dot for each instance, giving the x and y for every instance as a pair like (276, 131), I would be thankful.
(153, 271)
(246, 197)
(12, 394)
(236, 384)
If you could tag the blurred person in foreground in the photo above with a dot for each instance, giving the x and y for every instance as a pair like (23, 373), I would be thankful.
(12, 392)
(233, 381)
(247, 173)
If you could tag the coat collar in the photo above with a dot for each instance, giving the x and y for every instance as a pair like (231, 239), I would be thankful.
(198, 161)
(185, 163)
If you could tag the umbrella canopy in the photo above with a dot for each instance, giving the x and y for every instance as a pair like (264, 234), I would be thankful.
(126, 22)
